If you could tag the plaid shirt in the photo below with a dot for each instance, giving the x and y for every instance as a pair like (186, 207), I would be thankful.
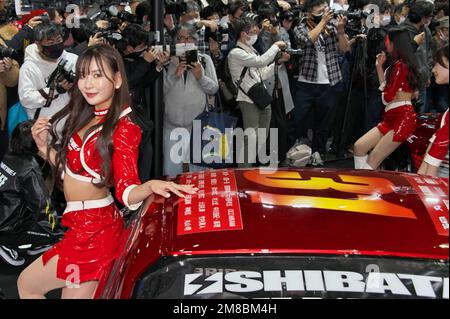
(203, 46)
(308, 63)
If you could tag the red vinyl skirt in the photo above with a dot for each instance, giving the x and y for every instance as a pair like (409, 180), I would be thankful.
(402, 120)
(95, 238)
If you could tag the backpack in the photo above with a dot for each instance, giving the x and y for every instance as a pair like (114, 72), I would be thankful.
(16, 115)
(228, 89)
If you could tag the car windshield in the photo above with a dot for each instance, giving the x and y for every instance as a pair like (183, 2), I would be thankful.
(242, 277)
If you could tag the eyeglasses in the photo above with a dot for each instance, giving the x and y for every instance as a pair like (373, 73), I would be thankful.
(184, 39)
(253, 32)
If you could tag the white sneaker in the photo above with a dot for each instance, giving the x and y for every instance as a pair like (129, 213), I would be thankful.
(10, 256)
(38, 250)
(316, 159)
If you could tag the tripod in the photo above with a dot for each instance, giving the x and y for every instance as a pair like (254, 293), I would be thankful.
(359, 68)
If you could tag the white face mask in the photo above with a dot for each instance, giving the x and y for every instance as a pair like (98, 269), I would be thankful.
(193, 21)
(346, 6)
(402, 19)
(252, 40)
(385, 20)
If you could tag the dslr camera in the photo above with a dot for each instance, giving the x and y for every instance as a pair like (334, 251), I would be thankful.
(9, 53)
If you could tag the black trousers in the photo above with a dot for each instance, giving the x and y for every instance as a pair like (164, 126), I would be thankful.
(279, 121)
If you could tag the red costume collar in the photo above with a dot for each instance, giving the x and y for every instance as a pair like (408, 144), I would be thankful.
(101, 113)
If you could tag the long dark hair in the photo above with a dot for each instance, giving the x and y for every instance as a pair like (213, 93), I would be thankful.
(440, 55)
(403, 49)
(79, 113)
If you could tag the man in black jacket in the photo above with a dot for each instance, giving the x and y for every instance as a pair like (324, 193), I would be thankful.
(143, 67)
(419, 18)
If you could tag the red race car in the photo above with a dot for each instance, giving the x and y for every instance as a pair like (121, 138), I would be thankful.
(289, 234)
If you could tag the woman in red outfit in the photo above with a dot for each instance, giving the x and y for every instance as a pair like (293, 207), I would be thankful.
(437, 153)
(398, 84)
(98, 150)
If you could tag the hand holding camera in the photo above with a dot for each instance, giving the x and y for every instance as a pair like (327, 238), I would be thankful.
(163, 59)
(212, 25)
(281, 44)
(66, 85)
(266, 25)
(96, 39)
(5, 65)
(181, 68)
(35, 21)
(341, 23)
(196, 69)
(151, 55)
(327, 17)
(285, 57)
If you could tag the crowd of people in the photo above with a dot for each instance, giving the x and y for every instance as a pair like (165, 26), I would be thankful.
(345, 75)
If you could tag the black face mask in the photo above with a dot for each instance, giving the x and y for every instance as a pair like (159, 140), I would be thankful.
(317, 19)
(53, 51)
(135, 55)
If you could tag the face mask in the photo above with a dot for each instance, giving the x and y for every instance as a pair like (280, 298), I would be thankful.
(385, 20)
(217, 21)
(193, 21)
(53, 51)
(253, 39)
(317, 19)
(135, 55)
(346, 6)
(402, 19)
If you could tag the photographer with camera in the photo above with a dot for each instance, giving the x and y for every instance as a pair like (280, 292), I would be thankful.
(25, 36)
(419, 18)
(187, 83)
(191, 16)
(143, 66)
(214, 39)
(143, 13)
(41, 62)
(83, 37)
(279, 84)
(235, 11)
(248, 71)
(319, 73)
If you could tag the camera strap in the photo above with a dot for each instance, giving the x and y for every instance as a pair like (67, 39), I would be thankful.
(51, 94)
(244, 71)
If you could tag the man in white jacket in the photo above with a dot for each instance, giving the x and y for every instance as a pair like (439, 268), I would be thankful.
(260, 68)
(41, 60)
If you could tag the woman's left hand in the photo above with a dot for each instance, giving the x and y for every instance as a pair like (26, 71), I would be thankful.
(164, 188)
